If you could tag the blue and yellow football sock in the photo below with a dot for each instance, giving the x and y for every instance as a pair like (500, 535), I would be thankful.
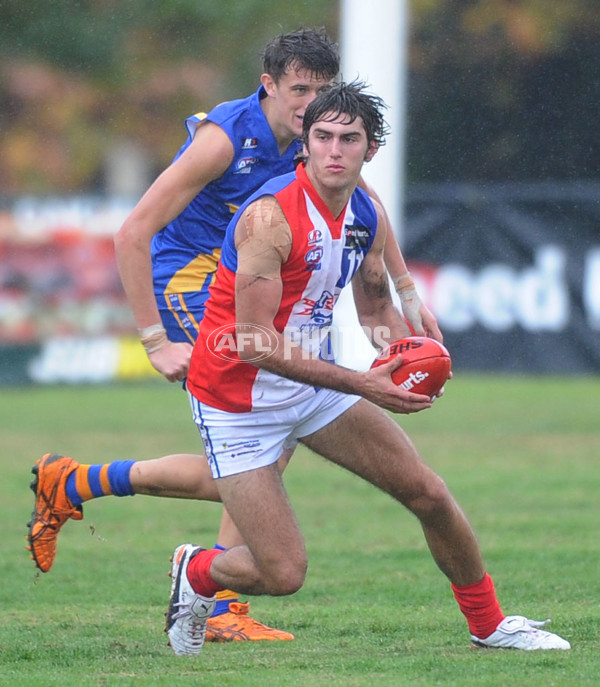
(92, 481)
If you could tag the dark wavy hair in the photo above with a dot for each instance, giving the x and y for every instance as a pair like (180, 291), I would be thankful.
(351, 100)
(309, 49)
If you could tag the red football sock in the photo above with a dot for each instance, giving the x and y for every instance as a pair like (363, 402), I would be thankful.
(480, 606)
(198, 573)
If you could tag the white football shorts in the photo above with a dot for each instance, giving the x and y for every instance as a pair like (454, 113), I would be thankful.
(238, 442)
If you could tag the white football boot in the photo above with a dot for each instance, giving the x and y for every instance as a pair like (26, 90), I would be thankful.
(518, 632)
(188, 612)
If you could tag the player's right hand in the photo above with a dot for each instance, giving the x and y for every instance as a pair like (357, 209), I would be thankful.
(172, 360)
(381, 390)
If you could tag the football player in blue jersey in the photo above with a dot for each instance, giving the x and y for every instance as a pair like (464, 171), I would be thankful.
(167, 251)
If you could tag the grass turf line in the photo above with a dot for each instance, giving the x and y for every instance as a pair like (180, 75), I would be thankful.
(519, 453)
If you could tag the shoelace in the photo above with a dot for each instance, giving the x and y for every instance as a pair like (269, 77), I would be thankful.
(533, 633)
(54, 512)
(197, 630)
(184, 609)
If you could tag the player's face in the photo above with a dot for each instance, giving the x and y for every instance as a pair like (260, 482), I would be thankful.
(291, 96)
(336, 151)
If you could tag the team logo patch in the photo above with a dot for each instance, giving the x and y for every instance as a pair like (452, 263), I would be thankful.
(315, 236)
(321, 310)
(357, 236)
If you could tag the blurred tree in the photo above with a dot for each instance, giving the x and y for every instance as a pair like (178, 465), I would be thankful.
(502, 90)
(78, 76)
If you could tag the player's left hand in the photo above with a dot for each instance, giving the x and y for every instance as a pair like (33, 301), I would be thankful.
(411, 306)
(430, 325)
(172, 360)
(418, 315)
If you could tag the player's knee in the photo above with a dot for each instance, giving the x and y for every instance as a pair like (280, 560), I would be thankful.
(287, 577)
(433, 500)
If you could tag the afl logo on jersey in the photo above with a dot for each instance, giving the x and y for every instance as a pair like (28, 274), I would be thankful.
(313, 257)
(244, 165)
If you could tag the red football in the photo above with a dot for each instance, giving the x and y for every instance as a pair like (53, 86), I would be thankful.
(425, 364)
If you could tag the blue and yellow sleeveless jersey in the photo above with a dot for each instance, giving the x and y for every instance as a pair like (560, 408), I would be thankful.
(186, 252)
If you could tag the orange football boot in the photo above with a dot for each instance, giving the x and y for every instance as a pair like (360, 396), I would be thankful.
(238, 626)
(52, 507)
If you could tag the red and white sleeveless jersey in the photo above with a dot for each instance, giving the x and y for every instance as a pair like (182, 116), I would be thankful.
(325, 254)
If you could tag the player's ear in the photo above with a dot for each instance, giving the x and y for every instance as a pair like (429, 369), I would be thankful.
(268, 83)
(371, 150)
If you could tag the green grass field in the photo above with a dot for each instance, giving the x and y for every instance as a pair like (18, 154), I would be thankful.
(520, 454)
